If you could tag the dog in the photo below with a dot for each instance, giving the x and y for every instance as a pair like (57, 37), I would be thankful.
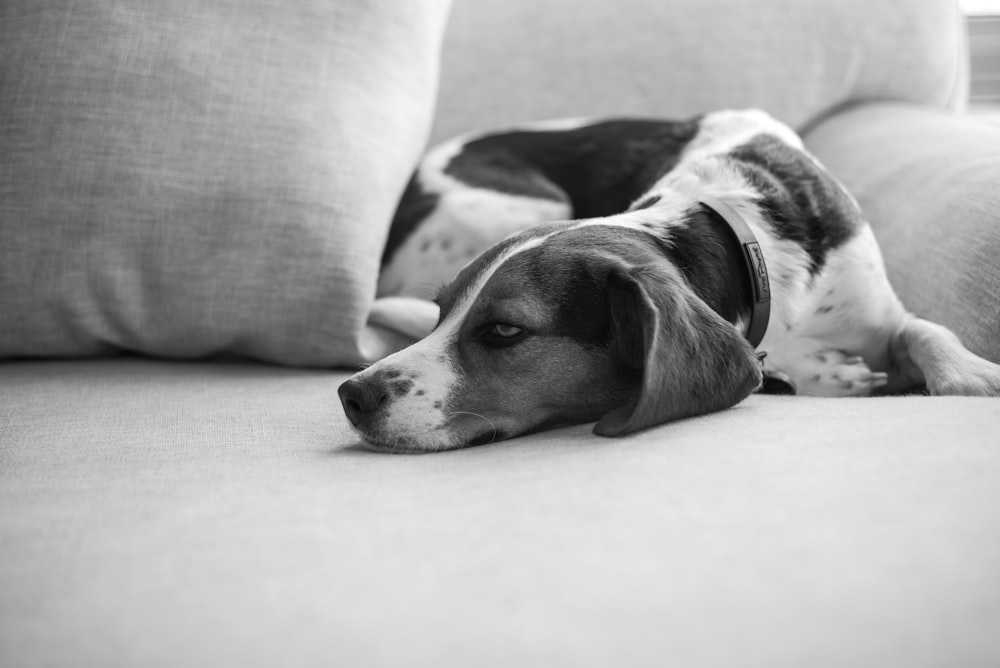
(631, 272)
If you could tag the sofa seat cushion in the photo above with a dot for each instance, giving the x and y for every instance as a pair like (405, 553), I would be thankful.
(177, 515)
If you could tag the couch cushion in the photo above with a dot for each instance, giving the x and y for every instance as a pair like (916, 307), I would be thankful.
(188, 178)
(507, 61)
(221, 515)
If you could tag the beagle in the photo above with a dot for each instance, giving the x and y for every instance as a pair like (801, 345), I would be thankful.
(632, 272)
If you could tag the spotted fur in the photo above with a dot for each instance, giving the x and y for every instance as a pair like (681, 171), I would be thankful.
(579, 277)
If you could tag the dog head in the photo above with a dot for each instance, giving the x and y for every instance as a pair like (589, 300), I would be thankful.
(564, 323)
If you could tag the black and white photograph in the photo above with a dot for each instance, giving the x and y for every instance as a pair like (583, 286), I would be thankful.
(500, 333)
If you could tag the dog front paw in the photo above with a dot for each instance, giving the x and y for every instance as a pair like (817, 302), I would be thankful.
(973, 377)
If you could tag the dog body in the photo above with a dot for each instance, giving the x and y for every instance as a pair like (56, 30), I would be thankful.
(634, 307)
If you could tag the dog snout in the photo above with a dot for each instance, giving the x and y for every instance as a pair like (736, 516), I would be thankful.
(362, 399)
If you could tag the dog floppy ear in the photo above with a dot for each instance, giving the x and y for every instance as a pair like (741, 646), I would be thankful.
(692, 361)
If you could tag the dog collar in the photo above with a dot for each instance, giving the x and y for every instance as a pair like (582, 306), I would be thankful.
(753, 260)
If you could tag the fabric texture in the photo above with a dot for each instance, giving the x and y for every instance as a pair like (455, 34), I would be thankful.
(927, 181)
(169, 514)
(190, 178)
(508, 61)
(207, 514)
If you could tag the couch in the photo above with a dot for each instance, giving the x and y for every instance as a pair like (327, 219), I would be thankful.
(193, 199)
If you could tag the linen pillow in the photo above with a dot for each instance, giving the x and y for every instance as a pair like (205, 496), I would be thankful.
(193, 178)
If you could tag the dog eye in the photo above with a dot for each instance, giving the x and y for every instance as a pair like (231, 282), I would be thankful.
(504, 331)
(501, 335)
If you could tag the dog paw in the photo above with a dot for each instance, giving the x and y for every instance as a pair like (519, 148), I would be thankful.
(833, 373)
(411, 317)
(974, 377)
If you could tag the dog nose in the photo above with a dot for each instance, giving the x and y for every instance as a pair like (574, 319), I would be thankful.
(361, 399)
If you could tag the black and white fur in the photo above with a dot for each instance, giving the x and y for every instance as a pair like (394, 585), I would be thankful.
(480, 207)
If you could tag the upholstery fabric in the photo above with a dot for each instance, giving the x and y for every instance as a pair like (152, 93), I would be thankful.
(928, 182)
(188, 178)
(180, 514)
(169, 514)
(508, 61)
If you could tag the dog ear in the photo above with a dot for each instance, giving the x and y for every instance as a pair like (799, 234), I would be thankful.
(692, 361)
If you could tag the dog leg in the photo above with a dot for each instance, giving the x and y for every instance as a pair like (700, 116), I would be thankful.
(815, 369)
(409, 316)
(926, 353)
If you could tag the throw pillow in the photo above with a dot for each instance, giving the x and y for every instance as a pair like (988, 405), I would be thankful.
(189, 178)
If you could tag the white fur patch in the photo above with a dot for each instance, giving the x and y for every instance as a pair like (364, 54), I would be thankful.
(722, 131)
(558, 124)
(417, 420)
(465, 221)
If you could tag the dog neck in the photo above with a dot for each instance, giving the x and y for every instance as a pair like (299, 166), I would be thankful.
(714, 250)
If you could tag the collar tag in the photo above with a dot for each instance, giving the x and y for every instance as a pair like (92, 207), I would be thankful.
(761, 284)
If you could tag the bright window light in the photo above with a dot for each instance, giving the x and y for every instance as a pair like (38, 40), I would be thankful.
(981, 6)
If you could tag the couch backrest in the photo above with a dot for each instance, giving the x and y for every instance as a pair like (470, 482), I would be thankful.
(506, 61)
